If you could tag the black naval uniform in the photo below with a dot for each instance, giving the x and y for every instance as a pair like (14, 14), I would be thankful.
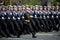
(27, 25)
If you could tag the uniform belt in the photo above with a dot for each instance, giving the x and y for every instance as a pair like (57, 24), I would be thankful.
(27, 20)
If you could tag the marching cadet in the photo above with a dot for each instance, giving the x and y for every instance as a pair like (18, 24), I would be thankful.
(3, 13)
(20, 23)
(57, 18)
(41, 18)
(45, 12)
(19, 12)
(32, 12)
(8, 20)
(14, 14)
(29, 10)
(32, 16)
(4, 25)
(57, 10)
(36, 17)
(1, 31)
(41, 11)
(27, 23)
(49, 11)
(37, 10)
(49, 18)
(2, 34)
(53, 17)
(23, 11)
(7, 12)
(11, 9)
(45, 18)
(12, 19)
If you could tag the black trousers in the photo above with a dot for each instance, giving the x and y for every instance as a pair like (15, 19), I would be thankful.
(50, 24)
(4, 27)
(2, 34)
(10, 25)
(33, 23)
(20, 23)
(27, 27)
(38, 24)
(16, 26)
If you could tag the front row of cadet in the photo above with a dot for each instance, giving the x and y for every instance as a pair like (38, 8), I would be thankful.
(25, 22)
(10, 24)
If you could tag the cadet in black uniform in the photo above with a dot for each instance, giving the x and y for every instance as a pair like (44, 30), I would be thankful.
(53, 17)
(14, 15)
(45, 18)
(49, 18)
(3, 23)
(8, 20)
(41, 18)
(57, 18)
(2, 34)
(19, 21)
(36, 18)
(33, 21)
(27, 25)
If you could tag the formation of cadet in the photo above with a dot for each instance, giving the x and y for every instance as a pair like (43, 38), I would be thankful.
(18, 20)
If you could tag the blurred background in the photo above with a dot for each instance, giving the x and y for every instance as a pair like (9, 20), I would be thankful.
(30, 2)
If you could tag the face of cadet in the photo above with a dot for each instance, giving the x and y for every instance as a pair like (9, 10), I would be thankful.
(49, 9)
(41, 8)
(23, 8)
(33, 8)
(53, 8)
(37, 8)
(15, 9)
(45, 8)
(11, 8)
(20, 9)
(3, 9)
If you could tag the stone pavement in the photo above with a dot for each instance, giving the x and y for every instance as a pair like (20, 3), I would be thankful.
(40, 36)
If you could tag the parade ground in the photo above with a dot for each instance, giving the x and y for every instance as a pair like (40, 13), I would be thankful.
(40, 36)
